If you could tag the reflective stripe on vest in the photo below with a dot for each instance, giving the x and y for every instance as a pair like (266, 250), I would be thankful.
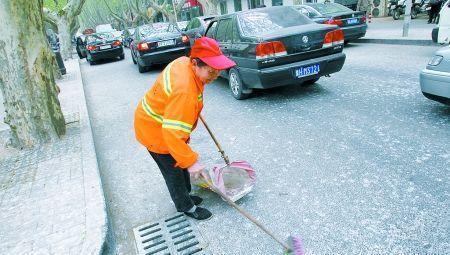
(167, 83)
(150, 112)
(177, 125)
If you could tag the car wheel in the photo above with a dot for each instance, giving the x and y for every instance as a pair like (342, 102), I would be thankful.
(142, 69)
(310, 82)
(236, 85)
(79, 54)
(396, 14)
(122, 56)
(132, 57)
(91, 62)
(413, 13)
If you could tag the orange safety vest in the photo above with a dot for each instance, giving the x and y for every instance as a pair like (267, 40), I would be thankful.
(168, 113)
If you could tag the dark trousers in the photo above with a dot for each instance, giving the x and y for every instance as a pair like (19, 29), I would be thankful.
(177, 181)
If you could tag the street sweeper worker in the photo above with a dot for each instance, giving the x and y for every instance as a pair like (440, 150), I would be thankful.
(168, 113)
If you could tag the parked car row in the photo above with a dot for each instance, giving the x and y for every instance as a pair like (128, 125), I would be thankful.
(272, 46)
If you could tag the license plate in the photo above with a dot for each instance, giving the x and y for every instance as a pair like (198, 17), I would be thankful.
(307, 70)
(166, 43)
(104, 47)
(352, 21)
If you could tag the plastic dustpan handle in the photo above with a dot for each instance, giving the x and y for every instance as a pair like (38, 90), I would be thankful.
(225, 157)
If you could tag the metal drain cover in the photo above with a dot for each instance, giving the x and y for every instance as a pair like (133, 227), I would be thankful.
(171, 236)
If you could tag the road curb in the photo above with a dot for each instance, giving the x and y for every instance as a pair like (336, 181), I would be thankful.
(96, 214)
(416, 42)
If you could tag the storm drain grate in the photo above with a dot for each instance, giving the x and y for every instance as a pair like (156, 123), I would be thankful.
(176, 235)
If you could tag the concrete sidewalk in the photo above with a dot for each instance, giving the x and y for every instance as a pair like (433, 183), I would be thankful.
(51, 198)
(389, 31)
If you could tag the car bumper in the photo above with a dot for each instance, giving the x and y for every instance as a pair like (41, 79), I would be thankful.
(106, 54)
(161, 57)
(435, 85)
(285, 74)
(354, 32)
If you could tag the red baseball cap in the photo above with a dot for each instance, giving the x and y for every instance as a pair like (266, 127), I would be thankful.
(208, 51)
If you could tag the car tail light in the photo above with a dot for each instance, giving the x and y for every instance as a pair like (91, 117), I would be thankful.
(270, 49)
(334, 22)
(116, 43)
(185, 39)
(363, 19)
(279, 49)
(333, 38)
(91, 47)
(142, 46)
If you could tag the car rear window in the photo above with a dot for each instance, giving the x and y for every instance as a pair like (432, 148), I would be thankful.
(154, 28)
(330, 8)
(265, 20)
(308, 11)
(99, 37)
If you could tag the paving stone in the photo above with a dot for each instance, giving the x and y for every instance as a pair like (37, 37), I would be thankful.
(45, 205)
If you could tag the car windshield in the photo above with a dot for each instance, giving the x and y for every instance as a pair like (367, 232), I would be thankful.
(154, 28)
(99, 37)
(312, 13)
(330, 8)
(182, 24)
(265, 20)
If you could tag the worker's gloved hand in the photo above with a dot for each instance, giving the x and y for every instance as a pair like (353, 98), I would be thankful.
(196, 169)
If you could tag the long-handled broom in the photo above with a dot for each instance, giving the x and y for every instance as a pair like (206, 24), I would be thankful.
(295, 244)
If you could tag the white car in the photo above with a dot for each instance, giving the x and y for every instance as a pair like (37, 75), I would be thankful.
(435, 78)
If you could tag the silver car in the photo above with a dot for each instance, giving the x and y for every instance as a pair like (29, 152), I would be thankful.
(435, 78)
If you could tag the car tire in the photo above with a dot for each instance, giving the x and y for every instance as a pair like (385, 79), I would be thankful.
(396, 14)
(310, 82)
(79, 54)
(132, 57)
(413, 13)
(142, 69)
(122, 56)
(236, 85)
(91, 62)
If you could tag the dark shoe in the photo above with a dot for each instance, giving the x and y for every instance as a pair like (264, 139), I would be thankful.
(200, 214)
(197, 200)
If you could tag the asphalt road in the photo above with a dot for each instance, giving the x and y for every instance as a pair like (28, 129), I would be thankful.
(355, 164)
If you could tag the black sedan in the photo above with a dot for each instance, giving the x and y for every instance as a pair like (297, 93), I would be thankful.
(158, 43)
(353, 23)
(196, 27)
(103, 46)
(276, 46)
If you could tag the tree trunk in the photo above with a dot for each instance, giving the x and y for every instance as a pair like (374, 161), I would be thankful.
(64, 37)
(27, 80)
